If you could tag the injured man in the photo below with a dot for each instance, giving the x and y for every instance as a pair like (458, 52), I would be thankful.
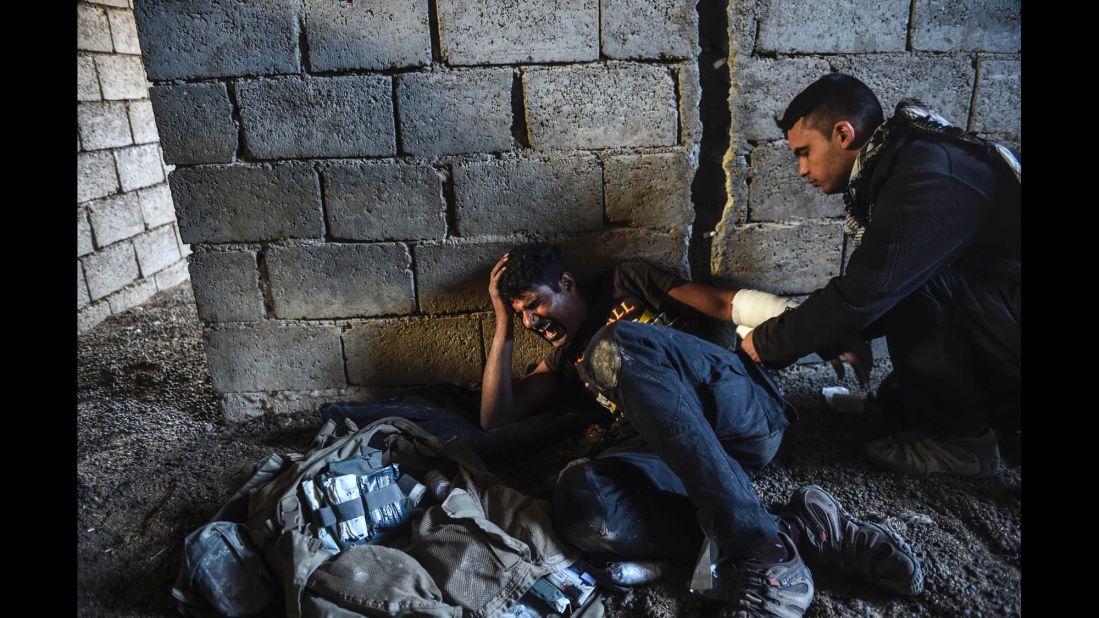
(707, 419)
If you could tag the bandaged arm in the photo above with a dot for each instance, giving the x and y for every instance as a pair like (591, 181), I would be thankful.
(750, 308)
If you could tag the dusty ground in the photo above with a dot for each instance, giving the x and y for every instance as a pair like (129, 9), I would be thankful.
(155, 461)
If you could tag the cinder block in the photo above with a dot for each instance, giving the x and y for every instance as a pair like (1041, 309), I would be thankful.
(84, 243)
(833, 26)
(131, 295)
(238, 203)
(87, 80)
(93, 30)
(736, 173)
(110, 269)
(118, 3)
(957, 25)
(340, 280)
(777, 193)
(121, 77)
(350, 116)
(527, 349)
(501, 196)
(690, 98)
(139, 166)
(103, 125)
(367, 35)
(455, 112)
(619, 106)
(156, 205)
(123, 31)
(507, 32)
(268, 356)
(763, 88)
(790, 258)
(171, 276)
(414, 351)
(217, 38)
(650, 29)
(90, 316)
(95, 175)
(226, 286)
(243, 406)
(650, 190)
(156, 250)
(82, 297)
(590, 255)
(453, 275)
(142, 123)
(196, 122)
(383, 201)
(184, 249)
(116, 217)
(943, 82)
(999, 98)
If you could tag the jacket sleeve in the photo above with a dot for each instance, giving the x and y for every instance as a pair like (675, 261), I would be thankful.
(925, 218)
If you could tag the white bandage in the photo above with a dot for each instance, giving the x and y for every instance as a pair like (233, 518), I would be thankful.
(753, 307)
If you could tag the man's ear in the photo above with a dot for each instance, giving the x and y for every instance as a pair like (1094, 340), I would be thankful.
(843, 133)
(567, 281)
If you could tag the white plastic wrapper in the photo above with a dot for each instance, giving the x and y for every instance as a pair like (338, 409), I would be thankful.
(635, 573)
(309, 488)
(841, 400)
(342, 489)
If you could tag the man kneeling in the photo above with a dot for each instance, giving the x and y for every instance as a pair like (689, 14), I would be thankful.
(707, 420)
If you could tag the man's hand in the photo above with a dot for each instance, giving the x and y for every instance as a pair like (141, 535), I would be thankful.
(859, 356)
(749, 346)
(499, 304)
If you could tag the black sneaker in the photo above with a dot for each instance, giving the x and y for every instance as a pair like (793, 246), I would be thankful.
(783, 590)
(833, 539)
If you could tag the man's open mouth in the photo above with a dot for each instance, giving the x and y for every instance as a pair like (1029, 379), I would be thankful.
(550, 329)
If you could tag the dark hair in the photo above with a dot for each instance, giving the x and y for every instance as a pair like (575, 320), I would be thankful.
(833, 98)
(530, 266)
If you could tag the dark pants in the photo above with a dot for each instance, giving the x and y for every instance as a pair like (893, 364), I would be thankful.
(955, 347)
(707, 420)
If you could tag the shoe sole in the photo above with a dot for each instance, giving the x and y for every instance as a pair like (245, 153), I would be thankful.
(916, 587)
(989, 470)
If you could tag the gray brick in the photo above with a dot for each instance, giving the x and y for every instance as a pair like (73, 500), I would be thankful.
(82, 297)
(156, 250)
(999, 98)
(118, 3)
(367, 35)
(274, 356)
(764, 88)
(690, 97)
(110, 269)
(95, 175)
(156, 205)
(116, 217)
(139, 166)
(184, 249)
(777, 193)
(243, 406)
(455, 112)
(103, 125)
(142, 122)
(217, 38)
(292, 117)
(226, 286)
(340, 280)
(196, 122)
(241, 203)
(93, 31)
(123, 31)
(131, 296)
(506, 32)
(958, 25)
(619, 106)
(527, 348)
(592, 254)
(794, 258)
(414, 351)
(652, 190)
(509, 195)
(90, 316)
(736, 173)
(121, 77)
(384, 201)
(834, 26)
(943, 82)
(84, 243)
(650, 29)
(171, 276)
(87, 80)
(453, 276)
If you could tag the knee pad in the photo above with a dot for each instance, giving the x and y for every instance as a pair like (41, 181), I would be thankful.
(602, 360)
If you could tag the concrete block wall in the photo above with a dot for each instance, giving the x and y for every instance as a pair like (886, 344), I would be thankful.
(347, 173)
(128, 246)
(963, 58)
